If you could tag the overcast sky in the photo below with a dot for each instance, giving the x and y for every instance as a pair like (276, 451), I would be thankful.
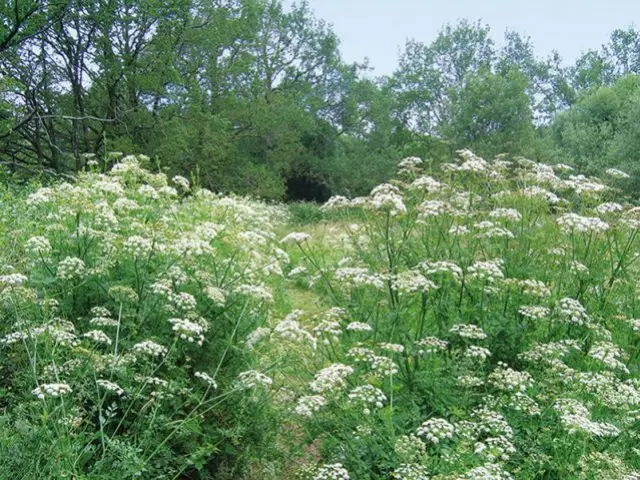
(378, 28)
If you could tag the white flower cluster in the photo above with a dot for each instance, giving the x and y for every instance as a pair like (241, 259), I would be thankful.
(430, 345)
(216, 295)
(336, 202)
(360, 327)
(488, 229)
(382, 366)
(495, 449)
(110, 386)
(254, 337)
(152, 381)
(534, 311)
(410, 448)
(51, 390)
(572, 311)
(40, 197)
(251, 379)
(149, 347)
(181, 182)
(477, 352)
(138, 247)
(615, 173)
(575, 418)
(548, 352)
(522, 402)
(469, 381)
(71, 268)
(299, 270)
(490, 471)
(466, 201)
(432, 208)
(609, 390)
(506, 214)
(296, 237)
(535, 288)
(333, 471)
(291, 330)
(609, 354)
(258, 292)
(148, 191)
(537, 192)
(167, 192)
(472, 332)
(544, 174)
(584, 186)
(329, 330)
(368, 397)
(13, 279)
(309, 405)
(208, 230)
(181, 302)
(458, 230)
(190, 246)
(206, 378)
(436, 430)
(411, 281)
(507, 379)
(187, 330)
(572, 222)
(471, 163)
(331, 378)
(356, 277)
(98, 336)
(409, 163)
(489, 271)
(491, 423)
(391, 347)
(578, 267)
(360, 354)
(562, 167)
(410, 471)
(38, 246)
(387, 197)
(608, 207)
(426, 184)
(13, 337)
(631, 218)
(125, 205)
(441, 267)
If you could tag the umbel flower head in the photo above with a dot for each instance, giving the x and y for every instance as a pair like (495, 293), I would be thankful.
(333, 471)
(435, 430)
(51, 390)
(71, 268)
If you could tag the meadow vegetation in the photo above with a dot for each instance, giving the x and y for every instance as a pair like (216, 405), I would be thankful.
(472, 320)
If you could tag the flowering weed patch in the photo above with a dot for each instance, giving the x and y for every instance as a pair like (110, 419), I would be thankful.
(478, 322)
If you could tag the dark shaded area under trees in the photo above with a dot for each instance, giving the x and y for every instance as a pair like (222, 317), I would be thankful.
(252, 97)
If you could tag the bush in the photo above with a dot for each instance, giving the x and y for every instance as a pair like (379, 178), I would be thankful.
(304, 213)
(123, 345)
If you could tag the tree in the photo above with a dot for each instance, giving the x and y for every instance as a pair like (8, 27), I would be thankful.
(427, 73)
(600, 130)
(21, 20)
(547, 85)
(490, 113)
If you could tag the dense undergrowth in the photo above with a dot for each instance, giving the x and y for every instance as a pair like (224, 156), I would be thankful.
(478, 322)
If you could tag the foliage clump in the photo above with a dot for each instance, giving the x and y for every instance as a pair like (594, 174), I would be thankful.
(472, 321)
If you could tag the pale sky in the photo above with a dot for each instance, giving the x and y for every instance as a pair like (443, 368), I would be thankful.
(378, 28)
